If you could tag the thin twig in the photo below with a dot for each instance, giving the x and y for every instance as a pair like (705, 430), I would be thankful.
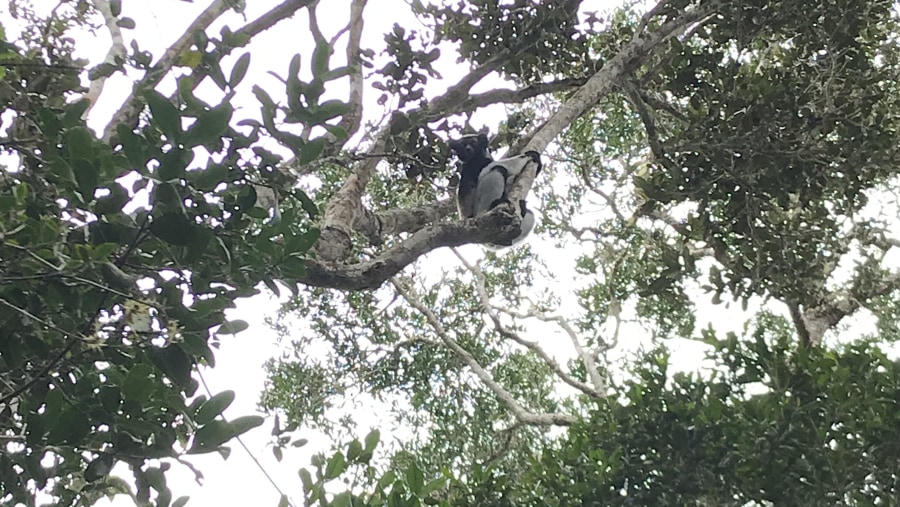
(489, 309)
(521, 414)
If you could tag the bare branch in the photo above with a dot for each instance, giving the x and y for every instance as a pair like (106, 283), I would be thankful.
(647, 118)
(520, 412)
(816, 321)
(396, 221)
(478, 100)
(351, 121)
(489, 309)
(372, 273)
(114, 56)
(599, 85)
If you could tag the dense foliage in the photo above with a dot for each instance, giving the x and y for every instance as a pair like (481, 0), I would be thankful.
(696, 151)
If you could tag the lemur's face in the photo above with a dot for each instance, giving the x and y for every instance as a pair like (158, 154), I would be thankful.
(470, 147)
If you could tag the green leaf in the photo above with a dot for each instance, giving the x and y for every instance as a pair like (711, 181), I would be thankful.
(115, 8)
(246, 423)
(138, 383)
(239, 70)
(197, 245)
(415, 479)
(110, 398)
(126, 23)
(173, 228)
(321, 55)
(306, 203)
(74, 112)
(354, 449)
(209, 127)
(335, 467)
(328, 110)
(209, 437)
(372, 440)
(172, 165)
(165, 114)
(311, 151)
(305, 479)
(62, 170)
(71, 427)
(174, 362)
(233, 327)
(337, 131)
(20, 192)
(283, 501)
(341, 500)
(86, 174)
(79, 143)
(181, 501)
(302, 243)
(132, 144)
(263, 97)
(388, 478)
(99, 468)
(114, 202)
(276, 451)
(433, 486)
(209, 178)
(213, 407)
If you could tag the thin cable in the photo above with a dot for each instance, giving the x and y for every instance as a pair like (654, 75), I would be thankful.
(247, 449)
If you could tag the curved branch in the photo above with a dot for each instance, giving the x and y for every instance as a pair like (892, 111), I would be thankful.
(521, 413)
(352, 120)
(593, 391)
(479, 100)
(372, 273)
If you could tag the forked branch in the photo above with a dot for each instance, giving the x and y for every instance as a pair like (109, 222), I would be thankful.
(521, 413)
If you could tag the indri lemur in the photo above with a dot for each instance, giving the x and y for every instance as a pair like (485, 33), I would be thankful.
(484, 182)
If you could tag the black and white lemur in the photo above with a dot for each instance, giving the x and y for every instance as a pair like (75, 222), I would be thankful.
(484, 182)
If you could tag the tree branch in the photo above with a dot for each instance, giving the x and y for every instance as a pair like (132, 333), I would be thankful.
(114, 56)
(129, 111)
(816, 321)
(372, 273)
(352, 119)
(598, 85)
(520, 412)
(491, 312)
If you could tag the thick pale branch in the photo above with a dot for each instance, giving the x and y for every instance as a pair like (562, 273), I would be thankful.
(114, 56)
(395, 221)
(520, 412)
(814, 322)
(479, 100)
(613, 70)
(351, 121)
(372, 273)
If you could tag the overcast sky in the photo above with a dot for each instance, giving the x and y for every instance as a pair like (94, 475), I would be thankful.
(238, 481)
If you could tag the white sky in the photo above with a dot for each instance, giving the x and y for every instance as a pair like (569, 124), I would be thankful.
(238, 481)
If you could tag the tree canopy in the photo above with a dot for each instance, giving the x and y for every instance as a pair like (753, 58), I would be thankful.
(704, 161)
